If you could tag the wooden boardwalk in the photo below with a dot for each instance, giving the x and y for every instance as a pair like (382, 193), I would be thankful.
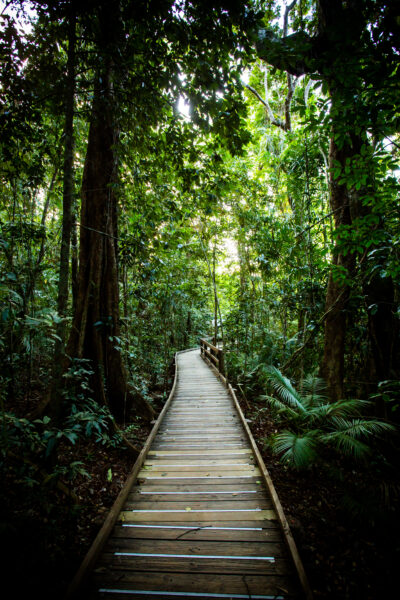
(198, 521)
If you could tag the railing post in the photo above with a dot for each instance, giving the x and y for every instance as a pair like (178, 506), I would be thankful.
(221, 358)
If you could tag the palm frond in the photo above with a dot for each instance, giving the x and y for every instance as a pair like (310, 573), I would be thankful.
(347, 408)
(285, 389)
(281, 407)
(347, 435)
(359, 428)
(315, 390)
(346, 444)
(341, 408)
(296, 450)
(318, 413)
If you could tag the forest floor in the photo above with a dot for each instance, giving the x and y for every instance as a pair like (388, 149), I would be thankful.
(47, 534)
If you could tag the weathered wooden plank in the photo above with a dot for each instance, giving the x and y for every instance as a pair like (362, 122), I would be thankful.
(182, 564)
(188, 479)
(277, 586)
(203, 423)
(183, 421)
(190, 497)
(204, 524)
(184, 461)
(203, 548)
(187, 472)
(201, 486)
(225, 531)
(197, 430)
(179, 446)
(189, 504)
(203, 459)
(241, 451)
(132, 516)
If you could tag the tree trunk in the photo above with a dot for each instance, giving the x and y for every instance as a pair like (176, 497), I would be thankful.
(68, 192)
(96, 323)
(337, 294)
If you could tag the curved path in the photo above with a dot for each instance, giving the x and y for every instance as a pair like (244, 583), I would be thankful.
(199, 521)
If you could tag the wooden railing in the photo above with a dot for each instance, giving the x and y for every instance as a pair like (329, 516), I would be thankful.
(214, 355)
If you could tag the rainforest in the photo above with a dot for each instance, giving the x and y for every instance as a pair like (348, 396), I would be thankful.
(179, 170)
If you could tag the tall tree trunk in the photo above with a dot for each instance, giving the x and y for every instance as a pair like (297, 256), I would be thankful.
(96, 322)
(68, 191)
(337, 294)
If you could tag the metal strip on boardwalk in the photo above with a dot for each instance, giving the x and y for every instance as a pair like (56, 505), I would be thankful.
(198, 517)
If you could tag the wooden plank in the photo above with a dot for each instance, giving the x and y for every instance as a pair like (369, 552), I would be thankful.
(205, 423)
(191, 458)
(179, 446)
(182, 564)
(193, 439)
(207, 493)
(198, 453)
(224, 523)
(190, 497)
(198, 436)
(194, 447)
(192, 428)
(192, 411)
(204, 404)
(216, 471)
(277, 586)
(173, 479)
(146, 595)
(199, 505)
(225, 531)
(187, 460)
(135, 516)
(201, 486)
(203, 548)
(228, 417)
(205, 461)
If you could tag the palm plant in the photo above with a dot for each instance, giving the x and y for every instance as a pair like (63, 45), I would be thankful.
(314, 423)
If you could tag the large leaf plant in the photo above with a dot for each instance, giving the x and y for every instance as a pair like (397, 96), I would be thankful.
(314, 424)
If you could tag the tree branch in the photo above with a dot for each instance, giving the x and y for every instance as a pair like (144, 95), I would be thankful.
(286, 17)
(268, 109)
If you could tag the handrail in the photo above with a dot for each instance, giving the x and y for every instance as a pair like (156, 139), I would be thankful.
(213, 355)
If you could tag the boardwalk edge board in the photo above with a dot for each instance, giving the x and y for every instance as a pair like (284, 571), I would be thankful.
(112, 517)
(291, 544)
